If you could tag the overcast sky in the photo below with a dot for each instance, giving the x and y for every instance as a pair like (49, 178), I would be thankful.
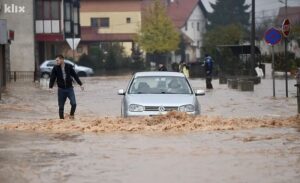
(266, 7)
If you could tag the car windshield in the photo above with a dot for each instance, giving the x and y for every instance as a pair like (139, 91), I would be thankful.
(51, 63)
(160, 85)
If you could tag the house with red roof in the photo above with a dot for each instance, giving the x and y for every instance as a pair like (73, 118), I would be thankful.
(189, 16)
(106, 21)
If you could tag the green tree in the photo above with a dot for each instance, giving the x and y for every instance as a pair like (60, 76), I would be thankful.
(263, 26)
(94, 59)
(226, 35)
(114, 57)
(226, 12)
(158, 35)
(182, 48)
(230, 34)
(295, 33)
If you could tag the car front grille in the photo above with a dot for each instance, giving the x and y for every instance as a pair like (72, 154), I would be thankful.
(157, 108)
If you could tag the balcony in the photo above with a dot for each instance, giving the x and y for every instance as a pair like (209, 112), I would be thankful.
(47, 26)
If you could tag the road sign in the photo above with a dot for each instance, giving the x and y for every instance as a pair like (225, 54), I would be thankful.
(286, 27)
(273, 36)
(73, 42)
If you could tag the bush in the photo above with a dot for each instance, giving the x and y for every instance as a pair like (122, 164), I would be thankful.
(280, 63)
(114, 57)
(90, 61)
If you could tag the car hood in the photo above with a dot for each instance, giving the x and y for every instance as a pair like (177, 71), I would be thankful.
(161, 99)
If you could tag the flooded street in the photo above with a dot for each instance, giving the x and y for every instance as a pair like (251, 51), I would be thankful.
(26, 101)
(240, 137)
(261, 155)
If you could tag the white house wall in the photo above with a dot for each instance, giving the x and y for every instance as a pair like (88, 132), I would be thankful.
(293, 47)
(192, 31)
(22, 47)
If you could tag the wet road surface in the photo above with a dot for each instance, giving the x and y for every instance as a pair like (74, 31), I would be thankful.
(26, 101)
(259, 155)
(256, 155)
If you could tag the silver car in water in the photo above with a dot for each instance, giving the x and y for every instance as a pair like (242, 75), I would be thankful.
(47, 66)
(156, 93)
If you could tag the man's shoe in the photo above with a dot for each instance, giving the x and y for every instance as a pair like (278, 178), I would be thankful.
(71, 117)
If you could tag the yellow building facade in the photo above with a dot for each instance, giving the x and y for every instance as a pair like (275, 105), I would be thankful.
(117, 21)
(111, 21)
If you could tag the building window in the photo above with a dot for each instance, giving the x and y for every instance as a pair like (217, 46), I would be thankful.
(48, 10)
(55, 10)
(100, 22)
(104, 22)
(198, 26)
(71, 18)
(128, 20)
(186, 26)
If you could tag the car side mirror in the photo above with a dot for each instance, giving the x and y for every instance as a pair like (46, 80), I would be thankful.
(121, 92)
(199, 92)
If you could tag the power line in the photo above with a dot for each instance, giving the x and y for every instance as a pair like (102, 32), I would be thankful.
(269, 16)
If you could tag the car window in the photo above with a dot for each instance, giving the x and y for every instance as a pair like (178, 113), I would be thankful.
(160, 85)
(51, 64)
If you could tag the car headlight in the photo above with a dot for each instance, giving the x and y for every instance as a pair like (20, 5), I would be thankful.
(187, 108)
(136, 108)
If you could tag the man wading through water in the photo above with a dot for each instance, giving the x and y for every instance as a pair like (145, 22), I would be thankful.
(62, 73)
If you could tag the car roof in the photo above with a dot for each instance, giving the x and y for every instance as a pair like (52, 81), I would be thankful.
(54, 60)
(67, 61)
(158, 73)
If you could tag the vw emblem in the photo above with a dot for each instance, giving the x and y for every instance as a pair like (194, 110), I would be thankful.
(161, 108)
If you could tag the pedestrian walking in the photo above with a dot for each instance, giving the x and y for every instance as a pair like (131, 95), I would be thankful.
(162, 67)
(208, 65)
(180, 66)
(186, 70)
(63, 74)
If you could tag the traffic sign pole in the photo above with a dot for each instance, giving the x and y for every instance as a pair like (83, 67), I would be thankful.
(286, 68)
(286, 31)
(273, 68)
(273, 37)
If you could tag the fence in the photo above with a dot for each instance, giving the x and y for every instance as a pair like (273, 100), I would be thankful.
(21, 76)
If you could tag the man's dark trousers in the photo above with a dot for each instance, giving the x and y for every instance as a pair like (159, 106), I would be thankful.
(208, 82)
(63, 94)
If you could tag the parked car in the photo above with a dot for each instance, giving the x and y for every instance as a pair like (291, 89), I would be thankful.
(47, 66)
(156, 93)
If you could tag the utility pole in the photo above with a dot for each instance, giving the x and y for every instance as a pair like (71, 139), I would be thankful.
(73, 28)
(253, 35)
(285, 56)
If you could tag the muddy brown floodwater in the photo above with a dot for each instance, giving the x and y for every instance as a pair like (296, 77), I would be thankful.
(256, 155)
(240, 137)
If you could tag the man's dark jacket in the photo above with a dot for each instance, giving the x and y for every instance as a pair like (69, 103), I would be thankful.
(57, 74)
